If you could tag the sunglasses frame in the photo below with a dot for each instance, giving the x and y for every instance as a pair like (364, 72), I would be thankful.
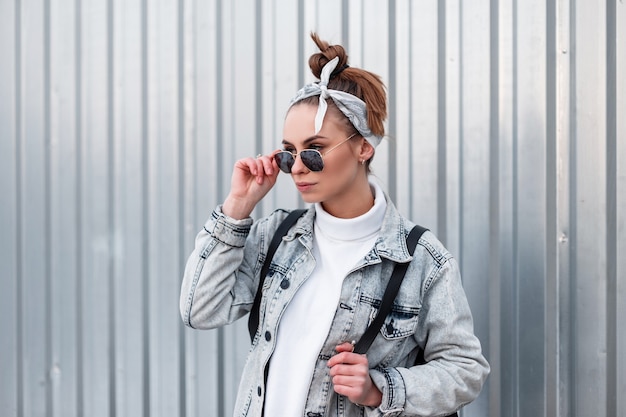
(322, 155)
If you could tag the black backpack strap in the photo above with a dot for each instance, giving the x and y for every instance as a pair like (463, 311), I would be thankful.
(290, 220)
(390, 294)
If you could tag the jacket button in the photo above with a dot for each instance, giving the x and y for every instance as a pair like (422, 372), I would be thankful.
(268, 336)
(284, 284)
(258, 391)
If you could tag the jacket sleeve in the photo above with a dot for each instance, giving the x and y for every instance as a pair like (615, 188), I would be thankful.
(455, 368)
(219, 281)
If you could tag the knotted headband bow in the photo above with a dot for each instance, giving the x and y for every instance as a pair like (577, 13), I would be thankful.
(351, 106)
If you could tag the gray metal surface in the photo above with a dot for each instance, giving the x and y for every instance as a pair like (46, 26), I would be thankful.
(120, 122)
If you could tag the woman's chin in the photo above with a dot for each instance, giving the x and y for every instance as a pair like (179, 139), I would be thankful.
(309, 198)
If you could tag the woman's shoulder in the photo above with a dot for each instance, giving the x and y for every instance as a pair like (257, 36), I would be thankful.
(300, 218)
(396, 227)
(430, 246)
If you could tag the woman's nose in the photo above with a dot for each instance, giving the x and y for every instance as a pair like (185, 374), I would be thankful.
(298, 167)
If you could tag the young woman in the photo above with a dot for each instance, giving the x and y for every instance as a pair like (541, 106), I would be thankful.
(327, 278)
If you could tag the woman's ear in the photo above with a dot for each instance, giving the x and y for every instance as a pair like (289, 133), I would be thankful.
(366, 150)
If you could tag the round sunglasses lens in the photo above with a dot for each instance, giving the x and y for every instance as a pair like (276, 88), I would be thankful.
(285, 161)
(312, 159)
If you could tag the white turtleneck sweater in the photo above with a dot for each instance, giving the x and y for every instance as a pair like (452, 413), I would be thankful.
(338, 245)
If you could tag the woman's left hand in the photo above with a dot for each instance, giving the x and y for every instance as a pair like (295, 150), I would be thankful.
(351, 377)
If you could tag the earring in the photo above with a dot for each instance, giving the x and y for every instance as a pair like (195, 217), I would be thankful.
(362, 161)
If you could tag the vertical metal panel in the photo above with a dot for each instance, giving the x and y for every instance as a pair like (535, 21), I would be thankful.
(562, 242)
(129, 231)
(282, 74)
(611, 218)
(96, 233)
(617, 11)
(64, 366)
(204, 188)
(474, 198)
(34, 163)
(165, 200)
(374, 55)
(11, 399)
(452, 113)
(589, 208)
(505, 381)
(120, 122)
(530, 177)
(554, 237)
(415, 112)
(400, 105)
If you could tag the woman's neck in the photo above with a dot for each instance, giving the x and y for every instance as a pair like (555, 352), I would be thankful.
(356, 203)
(352, 229)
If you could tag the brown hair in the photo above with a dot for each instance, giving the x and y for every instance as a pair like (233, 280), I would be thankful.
(358, 82)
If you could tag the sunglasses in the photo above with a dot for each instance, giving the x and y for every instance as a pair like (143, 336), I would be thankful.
(311, 158)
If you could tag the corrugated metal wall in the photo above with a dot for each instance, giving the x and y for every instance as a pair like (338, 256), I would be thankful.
(120, 121)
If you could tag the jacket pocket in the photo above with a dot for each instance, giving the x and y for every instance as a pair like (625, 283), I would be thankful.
(393, 342)
(401, 322)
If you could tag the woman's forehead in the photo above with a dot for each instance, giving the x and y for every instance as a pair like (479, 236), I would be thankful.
(300, 124)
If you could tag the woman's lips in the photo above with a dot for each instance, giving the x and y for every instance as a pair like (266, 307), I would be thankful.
(304, 186)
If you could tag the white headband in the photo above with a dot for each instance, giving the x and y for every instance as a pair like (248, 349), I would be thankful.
(351, 106)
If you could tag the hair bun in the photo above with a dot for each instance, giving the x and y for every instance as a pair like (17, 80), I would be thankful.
(356, 81)
(327, 53)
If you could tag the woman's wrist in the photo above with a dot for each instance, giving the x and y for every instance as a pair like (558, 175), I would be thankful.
(374, 397)
(237, 208)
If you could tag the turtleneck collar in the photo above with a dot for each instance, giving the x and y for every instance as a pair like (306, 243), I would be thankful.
(358, 228)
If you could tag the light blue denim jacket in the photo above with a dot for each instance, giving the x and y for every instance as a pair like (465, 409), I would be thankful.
(430, 313)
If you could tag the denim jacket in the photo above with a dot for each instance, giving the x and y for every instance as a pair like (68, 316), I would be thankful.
(430, 314)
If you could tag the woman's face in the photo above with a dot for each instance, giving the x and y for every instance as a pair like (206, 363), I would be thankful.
(343, 175)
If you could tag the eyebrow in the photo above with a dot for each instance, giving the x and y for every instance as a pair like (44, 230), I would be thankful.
(306, 141)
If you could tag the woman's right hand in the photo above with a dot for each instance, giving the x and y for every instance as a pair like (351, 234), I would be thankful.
(252, 179)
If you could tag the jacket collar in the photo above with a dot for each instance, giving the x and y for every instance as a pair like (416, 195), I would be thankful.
(391, 242)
